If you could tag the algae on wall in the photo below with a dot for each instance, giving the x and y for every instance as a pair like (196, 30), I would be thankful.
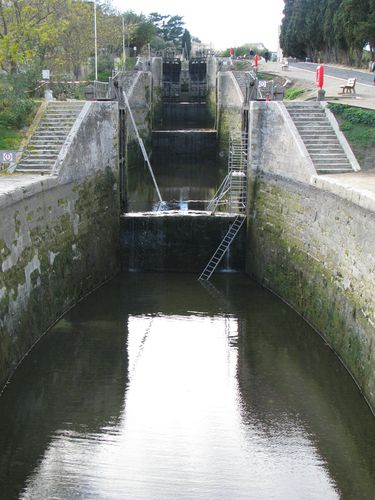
(312, 249)
(56, 247)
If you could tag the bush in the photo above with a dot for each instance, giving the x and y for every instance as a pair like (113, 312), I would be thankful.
(293, 93)
(354, 115)
(16, 104)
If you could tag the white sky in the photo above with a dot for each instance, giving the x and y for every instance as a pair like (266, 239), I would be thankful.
(224, 24)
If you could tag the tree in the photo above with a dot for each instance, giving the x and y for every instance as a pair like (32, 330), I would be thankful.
(169, 28)
(26, 30)
(186, 43)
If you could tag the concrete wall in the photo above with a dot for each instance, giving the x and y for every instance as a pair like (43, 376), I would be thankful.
(230, 104)
(58, 235)
(170, 242)
(311, 240)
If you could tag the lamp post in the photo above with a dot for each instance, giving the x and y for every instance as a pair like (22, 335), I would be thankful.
(95, 43)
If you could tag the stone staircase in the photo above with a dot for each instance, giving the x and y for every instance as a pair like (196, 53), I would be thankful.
(42, 150)
(321, 141)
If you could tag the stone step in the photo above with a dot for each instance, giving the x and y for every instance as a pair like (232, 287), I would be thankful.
(45, 157)
(316, 154)
(34, 170)
(44, 149)
(37, 161)
(332, 163)
(334, 170)
(328, 151)
(41, 143)
(317, 137)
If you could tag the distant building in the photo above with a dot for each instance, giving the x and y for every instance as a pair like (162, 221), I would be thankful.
(199, 48)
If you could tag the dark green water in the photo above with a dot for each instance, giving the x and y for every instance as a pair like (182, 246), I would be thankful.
(155, 388)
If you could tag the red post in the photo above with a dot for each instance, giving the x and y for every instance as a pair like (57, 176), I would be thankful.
(256, 60)
(320, 76)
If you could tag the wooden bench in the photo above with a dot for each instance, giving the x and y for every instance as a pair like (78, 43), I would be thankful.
(285, 64)
(349, 87)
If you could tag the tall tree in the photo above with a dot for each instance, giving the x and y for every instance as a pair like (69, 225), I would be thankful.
(186, 43)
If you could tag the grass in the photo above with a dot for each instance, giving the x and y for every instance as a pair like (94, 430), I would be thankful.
(10, 138)
(293, 93)
(358, 126)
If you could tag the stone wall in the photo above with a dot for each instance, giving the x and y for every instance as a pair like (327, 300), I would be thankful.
(58, 235)
(311, 241)
(171, 242)
(229, 115)
(140, 100)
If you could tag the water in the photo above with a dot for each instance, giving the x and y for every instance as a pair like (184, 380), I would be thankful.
(156, 388)
(184, 161)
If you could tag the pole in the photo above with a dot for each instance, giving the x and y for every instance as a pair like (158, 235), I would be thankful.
(95, 43)
(123, 44)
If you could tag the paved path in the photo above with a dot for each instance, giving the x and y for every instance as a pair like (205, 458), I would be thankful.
(338, 72)
(304, 76)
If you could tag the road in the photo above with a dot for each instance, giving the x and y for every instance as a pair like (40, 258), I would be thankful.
(343, 73)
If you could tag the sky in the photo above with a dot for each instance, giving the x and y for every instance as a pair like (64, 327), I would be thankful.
(223, 24)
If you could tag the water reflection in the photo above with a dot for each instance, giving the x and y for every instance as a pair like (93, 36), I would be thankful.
(155, 388)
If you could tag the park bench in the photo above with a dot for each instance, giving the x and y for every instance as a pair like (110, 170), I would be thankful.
(285, 64)
(349, 86)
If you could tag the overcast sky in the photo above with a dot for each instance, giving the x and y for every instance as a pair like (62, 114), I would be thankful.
(228, 24)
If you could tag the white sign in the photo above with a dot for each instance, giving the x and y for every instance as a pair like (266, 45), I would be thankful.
(7, 156)
(45, 74)
(262, 83)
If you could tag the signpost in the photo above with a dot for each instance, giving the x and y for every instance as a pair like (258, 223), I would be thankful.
(7, 157)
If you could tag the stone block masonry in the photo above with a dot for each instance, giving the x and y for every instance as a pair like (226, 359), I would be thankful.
(167, 241)
(58, 235)
(315, 249)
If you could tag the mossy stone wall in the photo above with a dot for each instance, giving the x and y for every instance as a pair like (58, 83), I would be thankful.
(59, 236)
(315, 250)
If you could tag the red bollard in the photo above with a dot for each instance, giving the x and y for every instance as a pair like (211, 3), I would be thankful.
(320, 76)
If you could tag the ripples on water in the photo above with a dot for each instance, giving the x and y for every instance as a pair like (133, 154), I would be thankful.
(154, 388)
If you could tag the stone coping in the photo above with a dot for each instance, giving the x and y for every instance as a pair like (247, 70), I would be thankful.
(17, 187)
(356, 187)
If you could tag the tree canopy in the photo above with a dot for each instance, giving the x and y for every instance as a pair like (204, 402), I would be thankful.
(59, 34)
(330, 30)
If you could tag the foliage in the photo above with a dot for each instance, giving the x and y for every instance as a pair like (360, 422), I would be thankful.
(246, 50)
(330, 30)
(353, 114)
(59, 34)
(10, 137)
(15, 103)
(186, 43)
(293, 93)
(169, 28)
(358, 127)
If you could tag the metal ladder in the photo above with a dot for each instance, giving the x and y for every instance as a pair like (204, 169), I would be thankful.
(234, 186)
(222, 248)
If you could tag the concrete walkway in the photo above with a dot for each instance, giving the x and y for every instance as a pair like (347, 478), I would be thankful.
(364, 97)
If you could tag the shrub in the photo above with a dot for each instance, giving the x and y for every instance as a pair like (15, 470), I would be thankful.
(293, 93)
(354, 115)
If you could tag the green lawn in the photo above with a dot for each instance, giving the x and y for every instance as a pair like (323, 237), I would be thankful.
(358, 126)
(10, 138)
